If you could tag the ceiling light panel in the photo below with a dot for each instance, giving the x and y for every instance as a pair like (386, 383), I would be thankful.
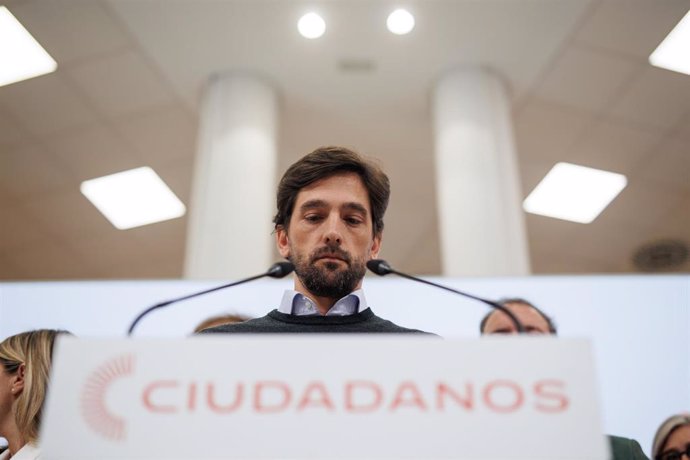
(574, 193)
(133, 198)
(21, 56)
(674, 52)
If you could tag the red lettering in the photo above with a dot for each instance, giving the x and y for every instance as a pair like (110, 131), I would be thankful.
(278, 389)
(466, 400)
(503, 387)
(215, 407)
(551, 390)
(191, 397)
(414, 400)
(147, 396)
(321, 400)
(360, 386)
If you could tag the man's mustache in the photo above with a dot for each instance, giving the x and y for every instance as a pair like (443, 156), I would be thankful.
(327, 251)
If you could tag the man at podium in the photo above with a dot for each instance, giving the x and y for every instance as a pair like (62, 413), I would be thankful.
(329, 223)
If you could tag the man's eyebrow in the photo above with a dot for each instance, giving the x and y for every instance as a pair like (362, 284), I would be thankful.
(355, 207)
(313, 204)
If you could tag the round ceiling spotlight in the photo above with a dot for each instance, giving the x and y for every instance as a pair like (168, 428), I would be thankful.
(311, 26)
(400, 22)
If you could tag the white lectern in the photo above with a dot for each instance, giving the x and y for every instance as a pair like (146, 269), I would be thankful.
(323, 397)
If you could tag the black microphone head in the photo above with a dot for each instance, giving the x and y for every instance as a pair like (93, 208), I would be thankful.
(379, 266)
(280, 269)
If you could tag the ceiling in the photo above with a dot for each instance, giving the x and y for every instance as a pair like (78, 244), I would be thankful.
(131, 74)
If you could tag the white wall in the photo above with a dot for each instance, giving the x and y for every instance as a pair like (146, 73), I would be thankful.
(638, 324)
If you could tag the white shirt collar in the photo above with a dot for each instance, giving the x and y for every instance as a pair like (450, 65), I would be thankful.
(296, 303)
(27, 452)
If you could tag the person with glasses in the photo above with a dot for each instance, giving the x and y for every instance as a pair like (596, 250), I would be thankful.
(536, 321)
(672, 439)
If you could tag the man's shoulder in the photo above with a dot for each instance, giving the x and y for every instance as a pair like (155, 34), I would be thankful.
(625, 449)
(383, 325)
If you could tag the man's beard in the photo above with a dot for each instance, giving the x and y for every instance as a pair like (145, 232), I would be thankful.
(329, 280)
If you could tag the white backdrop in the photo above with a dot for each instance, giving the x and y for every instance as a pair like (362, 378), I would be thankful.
(638, 324)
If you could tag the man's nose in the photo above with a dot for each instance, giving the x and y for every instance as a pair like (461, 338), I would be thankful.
(333, 234)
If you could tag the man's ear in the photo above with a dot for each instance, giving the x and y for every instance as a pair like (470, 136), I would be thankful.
(376, 245)
(282, 241)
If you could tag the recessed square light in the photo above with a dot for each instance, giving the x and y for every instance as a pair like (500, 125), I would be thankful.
(674, 52)
(133, 198)
(21, 56)
(574, 193)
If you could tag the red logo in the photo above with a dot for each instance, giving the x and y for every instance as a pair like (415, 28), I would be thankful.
(93, 407)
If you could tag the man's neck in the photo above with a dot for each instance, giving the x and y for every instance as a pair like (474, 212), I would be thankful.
(323, 304)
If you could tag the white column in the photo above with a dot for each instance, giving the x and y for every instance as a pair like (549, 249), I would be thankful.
(482, 226)
(233, 192)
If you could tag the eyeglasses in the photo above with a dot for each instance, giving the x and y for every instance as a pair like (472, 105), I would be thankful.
(674, 454)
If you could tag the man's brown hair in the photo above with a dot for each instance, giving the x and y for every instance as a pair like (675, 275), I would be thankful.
(325, 162)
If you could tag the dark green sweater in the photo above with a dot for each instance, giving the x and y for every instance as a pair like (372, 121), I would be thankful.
(625, 449)
(276, 322)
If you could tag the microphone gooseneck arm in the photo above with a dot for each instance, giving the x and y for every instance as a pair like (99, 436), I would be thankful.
(382, 268)
(277, 270)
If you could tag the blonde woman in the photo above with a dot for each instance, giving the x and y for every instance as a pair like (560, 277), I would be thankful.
(25, 361)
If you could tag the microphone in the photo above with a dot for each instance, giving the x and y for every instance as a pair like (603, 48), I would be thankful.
(383, 268)
(277, 270)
